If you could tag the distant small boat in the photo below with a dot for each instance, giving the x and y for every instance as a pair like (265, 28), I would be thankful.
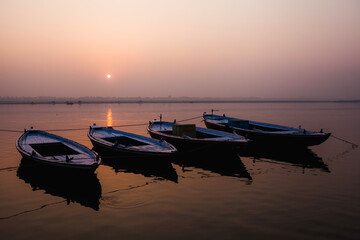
(128, 144)
(266, 133)
(52, 150)
(199, 139)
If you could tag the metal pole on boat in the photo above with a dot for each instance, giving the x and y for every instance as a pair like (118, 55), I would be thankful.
(212, 111)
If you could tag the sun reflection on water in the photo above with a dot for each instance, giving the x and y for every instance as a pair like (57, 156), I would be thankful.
(109, 118)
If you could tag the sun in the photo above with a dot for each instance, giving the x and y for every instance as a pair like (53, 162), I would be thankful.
(108, 76)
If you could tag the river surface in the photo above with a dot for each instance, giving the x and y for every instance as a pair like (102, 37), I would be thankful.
(279, 194)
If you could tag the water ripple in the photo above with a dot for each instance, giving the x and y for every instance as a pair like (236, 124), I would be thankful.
(111, 200)
(119, 202)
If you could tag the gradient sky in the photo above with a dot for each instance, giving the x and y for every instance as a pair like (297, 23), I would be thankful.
(194, 48)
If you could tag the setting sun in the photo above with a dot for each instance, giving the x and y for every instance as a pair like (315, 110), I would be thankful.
(108, 76)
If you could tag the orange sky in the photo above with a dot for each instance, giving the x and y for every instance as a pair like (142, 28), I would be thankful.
(198, 48)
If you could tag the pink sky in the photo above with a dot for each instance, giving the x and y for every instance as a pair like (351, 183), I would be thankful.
(207, 48)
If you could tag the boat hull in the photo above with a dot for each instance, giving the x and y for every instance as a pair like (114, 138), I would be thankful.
(116, 152)
(60, 165)
(186, 145)
(111, 150)
(266, 138)
(88, 168)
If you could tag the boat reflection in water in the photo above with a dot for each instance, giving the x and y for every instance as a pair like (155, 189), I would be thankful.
(160, 170)
(74, 186)
(303, 157)
(223, 163)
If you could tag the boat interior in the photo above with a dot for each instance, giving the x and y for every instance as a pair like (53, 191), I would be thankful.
(184, 130)
(123, 140)
(266, 128)
(53, 149)
(245, 124)
(198, 134)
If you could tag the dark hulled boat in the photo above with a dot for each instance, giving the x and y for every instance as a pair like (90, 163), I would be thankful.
(197, 139)
(266, 133)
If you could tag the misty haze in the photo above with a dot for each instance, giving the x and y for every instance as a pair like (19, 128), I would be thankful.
(179, 119)
(266, 49)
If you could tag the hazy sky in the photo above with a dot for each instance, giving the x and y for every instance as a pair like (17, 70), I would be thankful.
(195, 48)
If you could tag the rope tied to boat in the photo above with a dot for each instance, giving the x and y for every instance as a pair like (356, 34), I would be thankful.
(132, 125)
(188, 119)
(82, 129)
(352, 144)
(71, 129)
(143, 124)
(9, 130)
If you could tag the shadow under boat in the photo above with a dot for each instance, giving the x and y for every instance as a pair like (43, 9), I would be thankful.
(148, 167)
(81, 187)
(303, 157)
(225, 163)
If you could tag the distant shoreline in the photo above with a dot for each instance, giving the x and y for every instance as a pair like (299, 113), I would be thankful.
(175, 101)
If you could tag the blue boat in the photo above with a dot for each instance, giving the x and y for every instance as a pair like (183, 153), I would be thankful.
(266, 133)
(196, 139)
(55, 151)
(114, 142)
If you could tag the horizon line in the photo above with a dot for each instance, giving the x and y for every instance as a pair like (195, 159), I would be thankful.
(71, 101)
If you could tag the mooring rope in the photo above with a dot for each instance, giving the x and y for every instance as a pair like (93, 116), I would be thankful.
(132, 125)
(141, 124)
(32, 210)
(81, 129)
(66, 129)
(190, 119)
(8, 130)
(352, 144)
(54, 203)
(71, 129)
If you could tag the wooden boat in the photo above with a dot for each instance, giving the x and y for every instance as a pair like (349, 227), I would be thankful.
(201, 139)
(266, 133)
(115, 142)
(52, 150)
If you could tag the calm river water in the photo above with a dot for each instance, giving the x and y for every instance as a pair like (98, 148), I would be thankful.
(271, 195)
